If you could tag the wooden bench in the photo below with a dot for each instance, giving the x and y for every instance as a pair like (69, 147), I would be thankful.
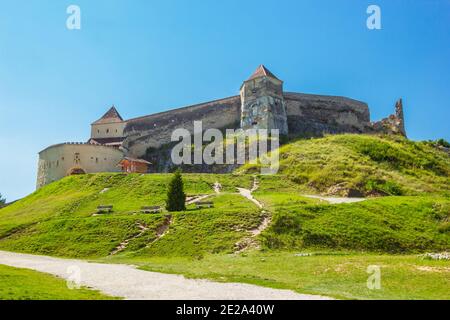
(205, 204)
(152, 209)
(104, 209)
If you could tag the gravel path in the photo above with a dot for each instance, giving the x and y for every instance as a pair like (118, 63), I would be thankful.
(248, 194)
(336, 200)
(130, 283)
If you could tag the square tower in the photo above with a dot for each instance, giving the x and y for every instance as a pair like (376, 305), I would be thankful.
(108, 130)
(262, 102)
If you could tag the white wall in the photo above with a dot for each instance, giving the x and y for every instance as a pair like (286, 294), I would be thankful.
(56, 161)
(107, 130)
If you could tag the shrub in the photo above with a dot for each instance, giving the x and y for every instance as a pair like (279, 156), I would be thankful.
(176, 198)
(443, 143)
(2, 201)
(386, 187)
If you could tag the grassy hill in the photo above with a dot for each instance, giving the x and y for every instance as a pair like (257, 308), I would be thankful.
(408, 211)
(60, 219)
(371, 165)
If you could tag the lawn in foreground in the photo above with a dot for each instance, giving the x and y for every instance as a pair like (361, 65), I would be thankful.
(340, 275)
(24, 284)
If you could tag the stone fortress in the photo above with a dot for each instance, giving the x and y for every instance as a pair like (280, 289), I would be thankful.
(262, 104)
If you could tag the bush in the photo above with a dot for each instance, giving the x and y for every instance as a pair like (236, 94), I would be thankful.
(176, 198)
(2, 201)
(443, 143)
(385, 187)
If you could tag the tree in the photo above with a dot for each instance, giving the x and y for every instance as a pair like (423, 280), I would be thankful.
(176, 198)
(2, 201)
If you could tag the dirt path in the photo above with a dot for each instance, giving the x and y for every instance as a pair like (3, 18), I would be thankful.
(130, 283)
(196, 199)
(123, 245)
(250, 242)
(336, 200)
(217, 187)
(248, 194)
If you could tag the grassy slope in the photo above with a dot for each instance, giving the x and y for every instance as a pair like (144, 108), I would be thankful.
(389, 224)
(57, 220)
(370, 164)
(23, 284)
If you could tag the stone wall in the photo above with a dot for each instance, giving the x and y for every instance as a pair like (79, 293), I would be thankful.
(156, 130)
(55, 162)
(308, 115)
(394, 124)
(313, 115)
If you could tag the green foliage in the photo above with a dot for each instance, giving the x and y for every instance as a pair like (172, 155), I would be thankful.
(176, 198)
(380, 186)
(443, 143)
(23, 284)
(438, 143)
(2, 201)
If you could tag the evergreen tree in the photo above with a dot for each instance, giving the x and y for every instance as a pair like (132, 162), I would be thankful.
(176, 198)
(2, 201)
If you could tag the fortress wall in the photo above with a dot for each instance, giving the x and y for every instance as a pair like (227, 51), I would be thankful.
(156, 130)
(313, 115)
(308, 115)
(56, 161)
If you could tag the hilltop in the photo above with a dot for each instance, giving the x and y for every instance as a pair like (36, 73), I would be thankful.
(364, 165)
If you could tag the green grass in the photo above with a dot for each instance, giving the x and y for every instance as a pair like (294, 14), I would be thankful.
(390, 224)
(370, 164)
(24, 284)
(337, 274)
(58, 220)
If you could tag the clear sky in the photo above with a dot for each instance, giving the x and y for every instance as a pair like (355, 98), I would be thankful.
(149, 56)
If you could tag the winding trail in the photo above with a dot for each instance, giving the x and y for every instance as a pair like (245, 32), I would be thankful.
(248, 194)
(130, 283)
(250, 242)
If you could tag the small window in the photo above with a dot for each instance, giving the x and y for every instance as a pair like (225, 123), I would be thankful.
(107, 130)
(98, 131)
(254, 123)
(116, 130)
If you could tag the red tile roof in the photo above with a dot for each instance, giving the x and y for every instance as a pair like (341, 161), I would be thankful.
(111, 116)
(262, 71)
(135, 160)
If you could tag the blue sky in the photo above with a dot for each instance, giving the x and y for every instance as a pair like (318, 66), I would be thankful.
(150, 56)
